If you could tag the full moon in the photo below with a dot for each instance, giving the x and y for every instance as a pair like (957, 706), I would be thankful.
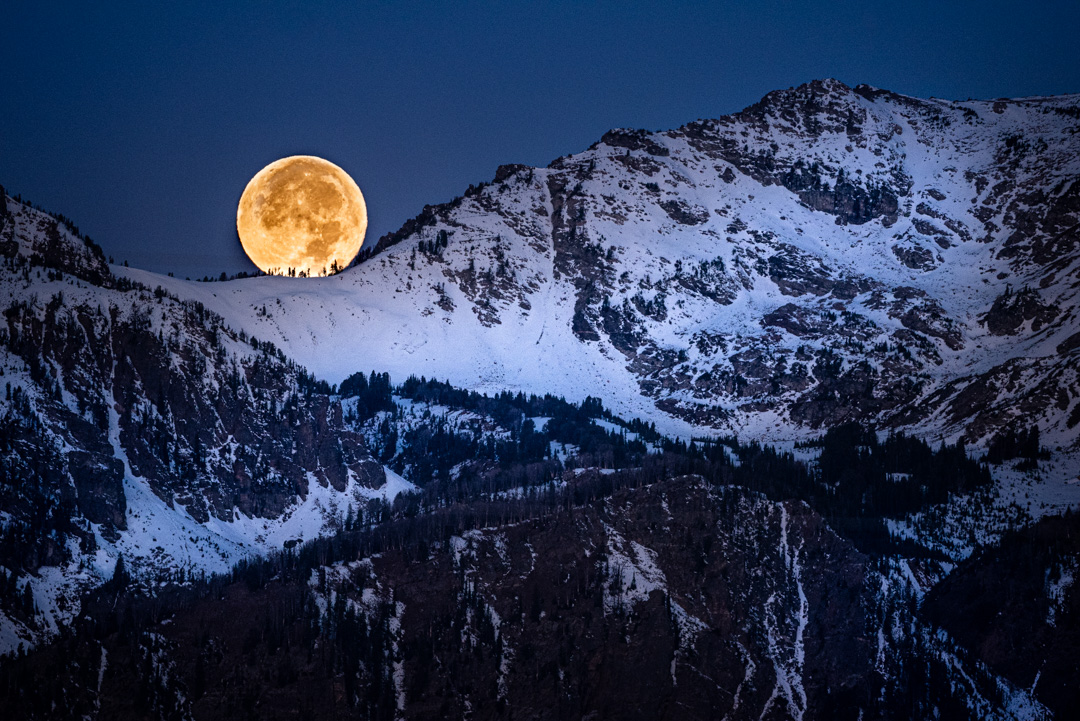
(301, 215)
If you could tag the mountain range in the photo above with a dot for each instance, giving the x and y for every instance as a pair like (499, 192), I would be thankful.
(620, 333)
(913, 260)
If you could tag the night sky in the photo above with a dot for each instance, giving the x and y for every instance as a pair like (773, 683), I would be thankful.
(143, 123)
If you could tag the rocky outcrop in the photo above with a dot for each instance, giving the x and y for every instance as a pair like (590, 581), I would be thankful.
(1012, 310)
(43, 240)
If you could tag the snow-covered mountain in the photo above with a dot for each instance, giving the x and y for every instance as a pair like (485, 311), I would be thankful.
(827, 254)
(135, 424)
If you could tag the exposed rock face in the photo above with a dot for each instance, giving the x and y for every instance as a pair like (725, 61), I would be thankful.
(818, 110)
(685, 214)
(915, 256)
(1011, 310)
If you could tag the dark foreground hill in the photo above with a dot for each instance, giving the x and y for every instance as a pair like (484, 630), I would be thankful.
(609, 598)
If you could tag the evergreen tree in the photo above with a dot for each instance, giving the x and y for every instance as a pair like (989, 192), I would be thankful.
(120, 575)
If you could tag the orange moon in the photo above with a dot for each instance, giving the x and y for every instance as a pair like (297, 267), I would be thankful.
(301, 215)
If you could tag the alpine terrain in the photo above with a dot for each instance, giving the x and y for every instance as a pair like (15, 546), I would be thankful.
(775, 415)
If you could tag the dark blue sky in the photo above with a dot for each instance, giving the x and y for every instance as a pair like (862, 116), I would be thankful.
(143, 122)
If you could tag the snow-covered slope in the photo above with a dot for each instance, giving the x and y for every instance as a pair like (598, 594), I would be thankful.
(828, 254)
(134, 424)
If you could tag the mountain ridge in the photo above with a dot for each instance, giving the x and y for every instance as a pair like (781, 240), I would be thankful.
(829, 259)
(775, 238)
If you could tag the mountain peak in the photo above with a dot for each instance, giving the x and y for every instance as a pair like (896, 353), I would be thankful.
(700, 269)
(49, 241)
